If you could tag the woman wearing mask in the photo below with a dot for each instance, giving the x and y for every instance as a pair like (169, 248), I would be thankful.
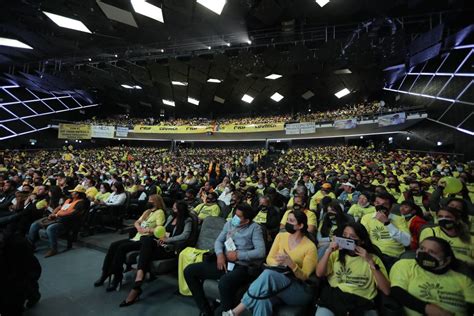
(453, 227)
(362, 207)
(178, 228)
(115, 258)
(429, 284)
(331, 225)
(415, 221)
(293, 250)
(354, 276)
(103, 194)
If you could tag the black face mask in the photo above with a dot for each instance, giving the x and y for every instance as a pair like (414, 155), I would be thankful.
(415, 192)
(332, 217)
(392, 185)
(233, 202)
(446, 223)
(429, 263)
(297, 207)
(149, 205)
(290, 228)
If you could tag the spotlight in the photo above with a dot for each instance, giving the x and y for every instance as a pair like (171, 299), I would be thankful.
(249, 42)
(362, 137)
(439, 143)
(247, 98)
(208, 47)
(228, 44)
(408, 137)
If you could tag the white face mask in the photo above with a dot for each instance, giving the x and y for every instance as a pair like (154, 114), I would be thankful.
(260, 186)
(226, 190)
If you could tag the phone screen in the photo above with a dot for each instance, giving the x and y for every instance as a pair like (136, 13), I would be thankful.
(345, 243)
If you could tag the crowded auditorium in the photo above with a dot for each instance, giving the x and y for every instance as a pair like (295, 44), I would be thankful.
(237, 157)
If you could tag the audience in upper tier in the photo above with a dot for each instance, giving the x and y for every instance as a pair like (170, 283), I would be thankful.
(344, 112)
(345, 228)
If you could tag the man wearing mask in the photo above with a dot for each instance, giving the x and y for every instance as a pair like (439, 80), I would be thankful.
(389, 232)
(267, 216)
(416, 195)
(190, 199)
(209, 208)
(365, 185)
(235, 200)
(238, 246)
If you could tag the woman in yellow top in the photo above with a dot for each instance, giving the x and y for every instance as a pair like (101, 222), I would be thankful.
(429, 284)
(354, 276)
(115, 258)
(293, 252)
(104, 192)
(453, 226)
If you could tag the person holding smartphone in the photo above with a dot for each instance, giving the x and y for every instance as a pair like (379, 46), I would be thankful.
(354, 276)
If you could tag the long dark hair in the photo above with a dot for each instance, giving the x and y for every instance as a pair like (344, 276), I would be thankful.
(340, 218)
(364, 241)
(119, 186)
(181, 215)
(56, 195)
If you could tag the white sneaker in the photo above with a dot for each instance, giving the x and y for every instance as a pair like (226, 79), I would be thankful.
(228, 313)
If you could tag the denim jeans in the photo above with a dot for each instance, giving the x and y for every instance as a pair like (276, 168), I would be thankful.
(53, 231)
(270, 282)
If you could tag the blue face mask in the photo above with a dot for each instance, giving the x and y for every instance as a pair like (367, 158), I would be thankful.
(235, 221)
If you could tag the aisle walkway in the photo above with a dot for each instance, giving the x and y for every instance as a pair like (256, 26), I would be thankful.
(66, 287)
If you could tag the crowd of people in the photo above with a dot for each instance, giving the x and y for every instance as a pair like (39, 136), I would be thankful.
(350, 230)
(344, 112)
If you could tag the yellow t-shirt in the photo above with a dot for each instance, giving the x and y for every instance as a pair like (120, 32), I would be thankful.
(358, 211)
(154, 219)
(451, 291)
(91, 192)
(310, 214)
(102, 196)
(317, 197)
(380, 236)
(463, 251)
(305, 255)
(261, 217)
(204, 210)
(355, 277)
(396, 194)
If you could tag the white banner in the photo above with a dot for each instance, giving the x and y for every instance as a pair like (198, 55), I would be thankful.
(102, 131)
(121, 131)
(292, 129)
(345, 124)
(392, 119)
(307, 128)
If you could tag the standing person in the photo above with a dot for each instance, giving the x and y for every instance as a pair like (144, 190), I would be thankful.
(239, 245)
(354, 276)
(294, 250)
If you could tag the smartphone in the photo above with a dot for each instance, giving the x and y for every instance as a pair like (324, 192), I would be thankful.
(345, 243)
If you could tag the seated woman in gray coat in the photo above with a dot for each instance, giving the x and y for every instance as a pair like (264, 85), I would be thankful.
(178, 228)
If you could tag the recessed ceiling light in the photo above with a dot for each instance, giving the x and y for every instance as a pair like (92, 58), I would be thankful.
(322, 3)
(215, 6)
(179, 83)
(247, 98)
(168, 102)
(439, 143)
(126, 86)
(277, 97)
(209, 47)
(115, 55)
(342, 93)
(67, 23)
(193, 101)
(214, 80)
(147, 9)
(249, 42)
(273, 76)
(13, 43)
(228, 44)
(344, 71)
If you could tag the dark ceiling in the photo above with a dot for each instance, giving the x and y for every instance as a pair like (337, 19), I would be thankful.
(294, 38)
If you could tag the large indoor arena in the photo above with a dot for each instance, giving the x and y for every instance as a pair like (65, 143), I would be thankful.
(236, 157)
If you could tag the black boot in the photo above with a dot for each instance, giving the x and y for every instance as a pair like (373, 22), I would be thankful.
(101, 280)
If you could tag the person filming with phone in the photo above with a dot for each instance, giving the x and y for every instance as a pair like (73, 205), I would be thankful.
(354, 271)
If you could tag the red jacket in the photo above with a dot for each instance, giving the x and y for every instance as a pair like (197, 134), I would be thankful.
(415, 225)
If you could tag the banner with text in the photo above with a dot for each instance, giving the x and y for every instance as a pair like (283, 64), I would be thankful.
(292, 129)
(121, 131)
(251, 128)
(345, 124)
(307, 128)
(74, 131)
(102, 131)
(169, 129)
(392, 119)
